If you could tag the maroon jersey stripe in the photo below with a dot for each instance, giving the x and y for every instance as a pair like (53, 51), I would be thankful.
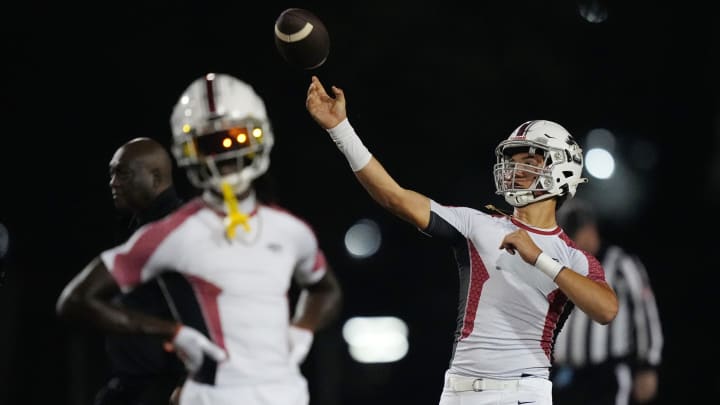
(207, 295)
(127, 267)
(557, 300)
(478, 276)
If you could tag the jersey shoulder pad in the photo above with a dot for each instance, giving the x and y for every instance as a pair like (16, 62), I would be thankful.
(494, 211)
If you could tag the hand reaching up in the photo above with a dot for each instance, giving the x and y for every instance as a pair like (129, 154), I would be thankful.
(325, 110)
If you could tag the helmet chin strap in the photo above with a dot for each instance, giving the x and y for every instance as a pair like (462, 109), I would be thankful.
(521, 199)
(234, 216)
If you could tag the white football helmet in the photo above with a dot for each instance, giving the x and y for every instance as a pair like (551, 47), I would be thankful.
(221, 133)
(560, 173)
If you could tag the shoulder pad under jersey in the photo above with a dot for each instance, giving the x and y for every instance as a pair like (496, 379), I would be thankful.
(494, 211)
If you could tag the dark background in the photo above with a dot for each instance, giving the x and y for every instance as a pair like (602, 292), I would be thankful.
(431, 89)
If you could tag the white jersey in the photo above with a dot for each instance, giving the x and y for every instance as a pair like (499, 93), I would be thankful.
(508, 309)
(241, 286)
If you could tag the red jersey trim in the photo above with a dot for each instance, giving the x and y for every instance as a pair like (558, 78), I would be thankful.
(595, 269)
(207, 295)
(555, 231)
(320, 261)
(478, 276)
(127, 267)
(557, 300)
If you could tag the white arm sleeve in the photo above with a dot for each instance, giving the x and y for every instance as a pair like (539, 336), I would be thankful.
(347, 140)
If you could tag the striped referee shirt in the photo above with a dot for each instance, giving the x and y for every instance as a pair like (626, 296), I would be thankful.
(634, 336)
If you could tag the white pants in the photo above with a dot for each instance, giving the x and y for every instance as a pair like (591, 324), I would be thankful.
(458, 390)
(292, 391)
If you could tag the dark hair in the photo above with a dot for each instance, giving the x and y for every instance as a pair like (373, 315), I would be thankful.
(574, 214)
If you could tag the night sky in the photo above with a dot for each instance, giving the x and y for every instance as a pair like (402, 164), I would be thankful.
(431, 90)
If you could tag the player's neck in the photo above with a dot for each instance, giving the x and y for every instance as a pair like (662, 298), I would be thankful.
(540, 214)
(246, 200)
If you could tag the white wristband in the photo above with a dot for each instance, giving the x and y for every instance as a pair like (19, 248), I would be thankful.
(350, 145)
(548, 265)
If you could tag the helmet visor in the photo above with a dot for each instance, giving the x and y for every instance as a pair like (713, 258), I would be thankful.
(228, 140)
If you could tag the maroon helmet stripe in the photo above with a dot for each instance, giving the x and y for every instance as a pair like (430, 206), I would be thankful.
(210, 93)
(523, 129)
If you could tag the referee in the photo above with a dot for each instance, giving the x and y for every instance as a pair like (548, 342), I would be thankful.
(616, 363)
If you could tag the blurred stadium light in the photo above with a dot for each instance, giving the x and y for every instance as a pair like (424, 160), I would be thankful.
(381, 339)
(593, 11)
(363, 239)
(599, 163)
(617, 185)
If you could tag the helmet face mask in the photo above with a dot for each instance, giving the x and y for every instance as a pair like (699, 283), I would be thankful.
(538, 161)
(221, 133)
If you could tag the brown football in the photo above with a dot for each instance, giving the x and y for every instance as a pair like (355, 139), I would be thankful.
(301, 38)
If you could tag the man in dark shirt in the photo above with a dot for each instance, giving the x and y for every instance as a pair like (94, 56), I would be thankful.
(141, 182)
(141, 372)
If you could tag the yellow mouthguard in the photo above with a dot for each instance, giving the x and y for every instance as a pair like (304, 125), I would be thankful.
(234, 216)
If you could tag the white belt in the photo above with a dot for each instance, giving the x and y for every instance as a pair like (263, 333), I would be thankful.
(459, 383)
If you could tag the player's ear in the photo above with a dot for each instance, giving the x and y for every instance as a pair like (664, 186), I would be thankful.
(156, 177)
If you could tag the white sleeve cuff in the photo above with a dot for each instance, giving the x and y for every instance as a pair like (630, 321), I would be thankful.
(346, 139)
(548, 265)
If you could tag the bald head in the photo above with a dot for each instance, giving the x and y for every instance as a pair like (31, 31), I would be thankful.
(152, 154)
(577, 218)
(140, 170)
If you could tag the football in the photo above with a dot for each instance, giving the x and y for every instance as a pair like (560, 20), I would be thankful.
(301, 38)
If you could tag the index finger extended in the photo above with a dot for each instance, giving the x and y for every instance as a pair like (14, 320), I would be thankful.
(316, 86)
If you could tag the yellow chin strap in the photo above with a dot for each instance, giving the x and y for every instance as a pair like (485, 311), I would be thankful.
(234, 216)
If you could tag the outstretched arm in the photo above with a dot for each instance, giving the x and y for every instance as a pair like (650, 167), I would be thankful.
(330, 113)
